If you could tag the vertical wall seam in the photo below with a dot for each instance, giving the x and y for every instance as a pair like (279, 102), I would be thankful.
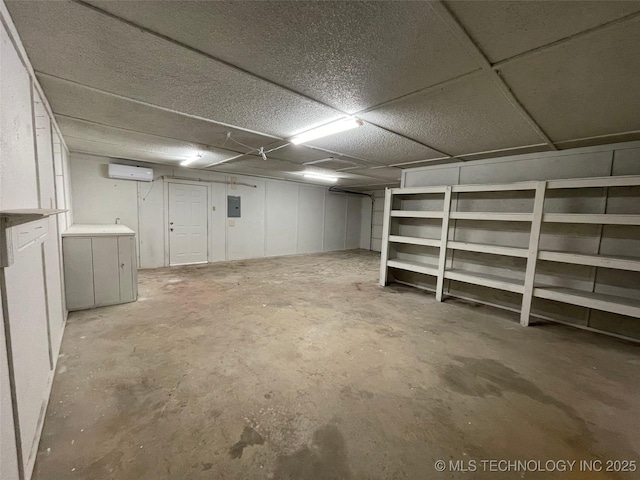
(12, 378)
(46, 302)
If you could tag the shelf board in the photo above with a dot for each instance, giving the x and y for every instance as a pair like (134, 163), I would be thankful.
(592, 218)
(24, 215)
(604, 261)
(598, 301)
(486, 280)
(498, 187)
(416, 214)
(492, 249)
(417, 190)
(429, 242)
(502, 217)
(417, 267)
(619, 181)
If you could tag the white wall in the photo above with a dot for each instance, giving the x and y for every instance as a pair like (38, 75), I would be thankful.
(278, 217)
(372, 213)
(33, 174)
(618, 159)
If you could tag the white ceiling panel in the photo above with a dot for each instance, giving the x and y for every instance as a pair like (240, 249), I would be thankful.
(583, 89)
(303, 154)
(506, 28)
(107, 54)
(377, 144)
(351, 55)
(77, 101)
(386, 173)
(116, 142)
(463, 118)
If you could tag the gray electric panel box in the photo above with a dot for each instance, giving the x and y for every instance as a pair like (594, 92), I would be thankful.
(233, 207)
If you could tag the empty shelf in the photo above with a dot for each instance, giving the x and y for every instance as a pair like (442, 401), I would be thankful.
(25, 215)
(598, 301)
(604, 261)
(417, 190)
(416, 214)
(493, 249)
(503, 217)
(429, 242)
(592, 218)
(618, 181)
(486, 280)
(411, 266)
(499, 187)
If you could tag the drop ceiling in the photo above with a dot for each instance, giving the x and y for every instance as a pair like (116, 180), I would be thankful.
(434, 82)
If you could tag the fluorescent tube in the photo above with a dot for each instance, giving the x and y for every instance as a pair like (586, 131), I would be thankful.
(328, 129)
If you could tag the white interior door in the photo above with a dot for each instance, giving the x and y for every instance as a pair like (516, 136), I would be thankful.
(187, 224)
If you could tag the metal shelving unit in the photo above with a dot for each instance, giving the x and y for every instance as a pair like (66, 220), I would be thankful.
(526, 286)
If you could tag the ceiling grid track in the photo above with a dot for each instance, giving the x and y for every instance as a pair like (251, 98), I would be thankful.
(459, 31)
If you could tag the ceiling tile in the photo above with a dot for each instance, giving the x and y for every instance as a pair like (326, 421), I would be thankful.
(74, 100)
(386, 173)
(377, 144)
(352, 55)
(114, 142)
(465, 117)
(506, 28)
(304, 154)
(583, 88)
(72, 41)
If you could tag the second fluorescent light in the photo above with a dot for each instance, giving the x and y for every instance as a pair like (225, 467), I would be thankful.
(319, 176)
(328, 129)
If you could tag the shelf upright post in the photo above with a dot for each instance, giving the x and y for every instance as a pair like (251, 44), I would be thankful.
(532, 255)
(442, 260)
(386, 225)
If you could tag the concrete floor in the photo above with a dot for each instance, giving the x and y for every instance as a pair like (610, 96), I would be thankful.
(304, 368)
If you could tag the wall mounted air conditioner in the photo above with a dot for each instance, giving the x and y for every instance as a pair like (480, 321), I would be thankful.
(126, 172)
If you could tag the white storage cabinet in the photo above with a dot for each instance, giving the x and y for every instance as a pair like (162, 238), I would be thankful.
(100, 266)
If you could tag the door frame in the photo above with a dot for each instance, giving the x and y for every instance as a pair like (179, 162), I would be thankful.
(167, 242)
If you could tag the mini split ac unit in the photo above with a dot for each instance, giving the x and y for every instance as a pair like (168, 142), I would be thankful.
(125, 172)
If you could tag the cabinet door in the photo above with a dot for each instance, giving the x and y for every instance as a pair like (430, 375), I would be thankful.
(78, 272)
(126, 263)
(106, 276)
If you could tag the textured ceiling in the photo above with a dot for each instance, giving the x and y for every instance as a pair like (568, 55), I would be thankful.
(434, 82)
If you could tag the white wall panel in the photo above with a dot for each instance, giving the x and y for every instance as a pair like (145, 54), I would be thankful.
(18, 185)
(44, 149)
(365, 222)
(29, 341)
(218, 223)
(281, 218)
(245, 239)
(354, 219)
(8, 453)
(100, 199)
(310, 219)
(335, 222)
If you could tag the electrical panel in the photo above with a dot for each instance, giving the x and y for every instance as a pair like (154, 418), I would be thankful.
(233, 207)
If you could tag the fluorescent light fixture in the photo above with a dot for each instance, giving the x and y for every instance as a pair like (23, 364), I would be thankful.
(319, 176)
(328, 129)
(189, 161)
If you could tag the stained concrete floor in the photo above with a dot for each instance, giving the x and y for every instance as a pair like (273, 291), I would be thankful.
(304, 368)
